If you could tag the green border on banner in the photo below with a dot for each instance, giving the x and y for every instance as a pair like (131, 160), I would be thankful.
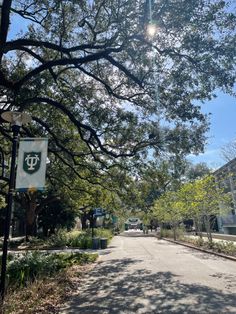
(30, 189)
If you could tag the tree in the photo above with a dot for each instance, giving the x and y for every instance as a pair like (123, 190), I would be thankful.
(88, 65)
(228, 151)
(169, 209)
(197, 171)
(102, 90)
(57, 214)
(203, 201)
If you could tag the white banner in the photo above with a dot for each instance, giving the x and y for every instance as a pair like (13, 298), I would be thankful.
(31, 167)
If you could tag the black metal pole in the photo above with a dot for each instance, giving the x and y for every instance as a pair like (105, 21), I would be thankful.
(15, 129)
(92, 226)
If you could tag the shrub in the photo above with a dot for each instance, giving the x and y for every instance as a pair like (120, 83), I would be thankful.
(166, 233)
(59, 239)
(83, 240)
(226, 247)
(103, 233)
(169, 233)
(14, 243)
(200, 241)
(25, 268)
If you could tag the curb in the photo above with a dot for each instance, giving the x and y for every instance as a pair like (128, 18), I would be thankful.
(201, 250)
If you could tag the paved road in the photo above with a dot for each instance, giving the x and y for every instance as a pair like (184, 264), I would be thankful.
(146, 275)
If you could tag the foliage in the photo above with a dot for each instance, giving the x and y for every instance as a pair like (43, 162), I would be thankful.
(47, 294)
(62, 239)
(85, 71)
(59, 239)
(56, 214)
(89, 65)
(169, 233)
(25, 268)
(197, 171)
(2, 202)
(83, 241)
(78, 239)
(168, 209)
(205, 200)
(199, 200)
(103, 233)
(228, 151)
(225, 247)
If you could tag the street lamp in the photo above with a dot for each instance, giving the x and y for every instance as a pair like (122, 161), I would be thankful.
(17, 119)
(2, 161)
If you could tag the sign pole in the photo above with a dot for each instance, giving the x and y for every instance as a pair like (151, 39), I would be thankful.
(15, 129)
(16, 119)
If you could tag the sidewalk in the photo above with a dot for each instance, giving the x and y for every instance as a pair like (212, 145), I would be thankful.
(216, 236)
(143, 275)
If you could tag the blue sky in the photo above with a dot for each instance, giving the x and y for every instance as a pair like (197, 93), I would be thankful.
(222, 129)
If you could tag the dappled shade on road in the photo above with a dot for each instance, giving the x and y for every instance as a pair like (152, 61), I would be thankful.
(157, 293)
(123, 285)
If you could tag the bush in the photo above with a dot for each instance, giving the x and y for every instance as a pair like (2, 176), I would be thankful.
(59, 239)
(166, 233)
(103, 233)
(169, 233)
(85, 241)
(76, 239)
(199, 242)
(25, 268)
(14, 243)
(225, 247)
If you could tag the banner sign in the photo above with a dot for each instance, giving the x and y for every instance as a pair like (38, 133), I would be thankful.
(31, 167)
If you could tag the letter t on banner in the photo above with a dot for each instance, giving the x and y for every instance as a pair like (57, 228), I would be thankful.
(31, 167)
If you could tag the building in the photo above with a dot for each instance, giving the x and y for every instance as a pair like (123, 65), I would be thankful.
(226, 177)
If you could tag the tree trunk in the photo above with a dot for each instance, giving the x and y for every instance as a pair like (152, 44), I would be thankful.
(83, 221)
(174, 230)
(198, 226)
(208, 228)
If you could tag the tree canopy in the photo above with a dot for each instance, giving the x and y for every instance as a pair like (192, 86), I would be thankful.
(200, 200)
(89, 74)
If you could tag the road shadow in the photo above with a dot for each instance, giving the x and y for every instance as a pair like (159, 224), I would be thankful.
(200, 254)
(114, 287)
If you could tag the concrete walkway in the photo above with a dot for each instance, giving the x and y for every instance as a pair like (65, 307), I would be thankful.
(146, 275)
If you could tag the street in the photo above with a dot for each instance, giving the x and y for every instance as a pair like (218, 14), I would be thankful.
(139, 274)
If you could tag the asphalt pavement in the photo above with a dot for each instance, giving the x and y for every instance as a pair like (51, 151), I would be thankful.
(141, 274)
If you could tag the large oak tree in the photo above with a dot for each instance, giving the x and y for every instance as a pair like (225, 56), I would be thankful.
(89, 73)
(102, 88)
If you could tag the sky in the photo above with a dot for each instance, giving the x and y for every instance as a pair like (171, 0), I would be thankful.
(222, 129)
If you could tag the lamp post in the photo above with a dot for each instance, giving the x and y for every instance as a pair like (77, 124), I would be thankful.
(2, 161)
(17, 119)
